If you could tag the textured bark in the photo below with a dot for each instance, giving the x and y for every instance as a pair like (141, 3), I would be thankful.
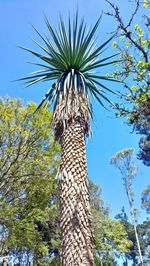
(76, 229)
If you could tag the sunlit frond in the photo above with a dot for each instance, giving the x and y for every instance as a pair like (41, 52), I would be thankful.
(71, 57)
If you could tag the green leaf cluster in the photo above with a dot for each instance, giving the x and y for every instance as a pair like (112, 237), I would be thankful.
(29, 162)
(144, 238)
(133, 44)
(111, 236)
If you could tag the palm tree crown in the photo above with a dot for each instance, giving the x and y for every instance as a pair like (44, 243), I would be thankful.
(71, 56)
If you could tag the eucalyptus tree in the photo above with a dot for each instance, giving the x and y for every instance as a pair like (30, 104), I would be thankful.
(124, 161)
(71, 55)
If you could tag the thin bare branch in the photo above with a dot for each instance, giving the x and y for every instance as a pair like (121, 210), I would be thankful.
(121, 25)
(134, 13)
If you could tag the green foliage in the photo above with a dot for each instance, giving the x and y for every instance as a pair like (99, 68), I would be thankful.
(107, 260)
(133, 43)
(144, 238)
(120, 156)
(111, 237)
(146, 3)
(29, 162)
(146, 199)
(144, 233)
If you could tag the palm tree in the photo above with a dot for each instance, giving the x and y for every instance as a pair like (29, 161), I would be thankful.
(70, 56)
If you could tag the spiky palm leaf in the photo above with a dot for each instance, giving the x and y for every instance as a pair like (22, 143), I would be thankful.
(71, 56)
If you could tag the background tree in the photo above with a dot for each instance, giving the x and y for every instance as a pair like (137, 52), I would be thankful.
(146, 199)
(144, 236)
(111, 237)
(28, 161)
(71, 55)
(142, 127)
(144, 233)
(124, 162)
(133, 43)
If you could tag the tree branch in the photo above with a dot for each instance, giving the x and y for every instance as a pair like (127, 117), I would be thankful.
(124, 28)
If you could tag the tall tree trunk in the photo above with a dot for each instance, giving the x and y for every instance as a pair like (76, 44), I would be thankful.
(76, 232)
(138, 244)
(4, 262)
(134, 224)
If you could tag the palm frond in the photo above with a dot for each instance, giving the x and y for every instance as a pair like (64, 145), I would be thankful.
(71, 53)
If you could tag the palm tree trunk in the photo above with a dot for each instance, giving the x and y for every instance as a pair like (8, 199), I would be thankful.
(75, 225)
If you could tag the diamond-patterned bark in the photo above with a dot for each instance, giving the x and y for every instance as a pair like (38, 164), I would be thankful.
(77, 237)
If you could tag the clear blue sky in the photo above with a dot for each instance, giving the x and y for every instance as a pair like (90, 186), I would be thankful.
(110, 135)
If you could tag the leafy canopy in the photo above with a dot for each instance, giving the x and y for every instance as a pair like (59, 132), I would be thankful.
(29, 159)
(71, 56)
